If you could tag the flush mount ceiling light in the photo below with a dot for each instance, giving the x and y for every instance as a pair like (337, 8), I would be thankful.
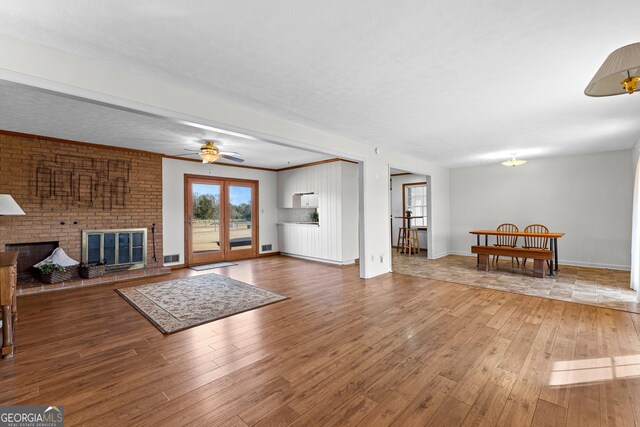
(514, 161)
(620, 73)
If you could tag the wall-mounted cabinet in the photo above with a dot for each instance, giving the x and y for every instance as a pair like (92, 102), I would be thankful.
(335, 188)
(305, 200)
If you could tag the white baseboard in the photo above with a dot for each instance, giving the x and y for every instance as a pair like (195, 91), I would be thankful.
(565, 262)
(441, 255)
(327, 261)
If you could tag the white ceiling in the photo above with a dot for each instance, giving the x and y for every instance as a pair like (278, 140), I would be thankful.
(28, 110)
(457, 83)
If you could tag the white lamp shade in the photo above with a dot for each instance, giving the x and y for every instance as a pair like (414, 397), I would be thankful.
(618, 66)
(8, 206)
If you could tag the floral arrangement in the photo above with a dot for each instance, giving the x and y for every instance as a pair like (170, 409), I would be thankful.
(50, 268)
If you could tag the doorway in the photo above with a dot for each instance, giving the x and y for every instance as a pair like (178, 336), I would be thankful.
(410, 192)
(221, 221)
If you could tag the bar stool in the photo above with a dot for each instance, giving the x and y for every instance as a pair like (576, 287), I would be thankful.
(402, 238)
(412, 241)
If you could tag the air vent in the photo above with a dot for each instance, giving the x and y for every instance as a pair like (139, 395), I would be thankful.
(172, 258)
(266, 247)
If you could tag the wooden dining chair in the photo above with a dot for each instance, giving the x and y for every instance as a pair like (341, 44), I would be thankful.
(535, 242)
(506, 241)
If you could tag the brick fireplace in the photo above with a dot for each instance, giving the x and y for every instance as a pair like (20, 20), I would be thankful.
(30, 254)
(66, 187)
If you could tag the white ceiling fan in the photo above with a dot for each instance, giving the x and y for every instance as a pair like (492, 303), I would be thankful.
(209, 153)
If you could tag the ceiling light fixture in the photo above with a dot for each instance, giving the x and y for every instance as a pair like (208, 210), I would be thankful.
(514, 161)
(209, 153)
(620, 73)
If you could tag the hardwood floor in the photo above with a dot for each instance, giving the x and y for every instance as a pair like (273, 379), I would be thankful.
(394, 350)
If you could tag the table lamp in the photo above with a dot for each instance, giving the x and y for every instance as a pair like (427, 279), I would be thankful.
(8, 206)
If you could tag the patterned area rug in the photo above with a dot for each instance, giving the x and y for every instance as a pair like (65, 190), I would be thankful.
(184, 303)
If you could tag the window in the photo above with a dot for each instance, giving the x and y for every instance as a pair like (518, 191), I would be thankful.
(415, 200)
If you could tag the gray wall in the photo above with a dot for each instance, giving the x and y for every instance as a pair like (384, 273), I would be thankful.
(589, 197)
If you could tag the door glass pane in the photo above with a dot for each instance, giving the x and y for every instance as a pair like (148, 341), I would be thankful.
(240, 220)
(205, 223)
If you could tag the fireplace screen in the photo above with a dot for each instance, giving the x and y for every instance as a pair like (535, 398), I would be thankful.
(121, 249)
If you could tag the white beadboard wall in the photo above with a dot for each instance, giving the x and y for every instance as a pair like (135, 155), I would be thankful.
(336, 238)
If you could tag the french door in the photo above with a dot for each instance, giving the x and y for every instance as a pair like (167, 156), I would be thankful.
(221, 221)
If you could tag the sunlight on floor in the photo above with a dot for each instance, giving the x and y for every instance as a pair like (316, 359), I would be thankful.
(574, 372)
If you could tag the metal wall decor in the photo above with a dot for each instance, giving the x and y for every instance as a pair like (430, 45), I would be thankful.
(83, 181)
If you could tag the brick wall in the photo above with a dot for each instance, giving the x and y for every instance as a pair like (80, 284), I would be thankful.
(59, 182)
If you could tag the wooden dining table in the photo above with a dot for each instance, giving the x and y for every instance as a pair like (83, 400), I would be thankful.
(553, 240)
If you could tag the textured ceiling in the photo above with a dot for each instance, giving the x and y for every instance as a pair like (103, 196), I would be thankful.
(27, 110)
(456, 83)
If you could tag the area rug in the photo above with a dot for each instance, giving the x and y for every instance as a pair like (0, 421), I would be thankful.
(212, 266)
(184, 303)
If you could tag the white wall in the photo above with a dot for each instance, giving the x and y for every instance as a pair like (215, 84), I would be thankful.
(173, 172)
(588, 197)
(46, 68)
(635, 228)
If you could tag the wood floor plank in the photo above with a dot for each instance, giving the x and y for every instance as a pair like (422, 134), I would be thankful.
(549, 415)
(424, 407)
(490, 403)
(395, 349)
(451, 413)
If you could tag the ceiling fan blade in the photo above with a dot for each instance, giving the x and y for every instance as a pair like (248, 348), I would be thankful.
(232, 158)
(229, 153)
(188, 149)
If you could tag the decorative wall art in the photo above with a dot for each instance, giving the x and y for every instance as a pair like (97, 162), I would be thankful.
(83, 181)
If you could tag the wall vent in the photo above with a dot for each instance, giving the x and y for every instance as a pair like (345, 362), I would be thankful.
(266, 247)
(172, 258)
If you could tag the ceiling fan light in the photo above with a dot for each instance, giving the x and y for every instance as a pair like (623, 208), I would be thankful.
(514, 162)
(208, 157)
(619, 73)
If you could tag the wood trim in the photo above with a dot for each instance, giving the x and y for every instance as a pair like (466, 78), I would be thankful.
(226, 255)
(404, 206)
(177, 266)
(404, 192)
(73, 142)
(268, 254)
(189, 178)
(166, 156)
(255, 231)
(400, 174)
(321, 162)
(153, 153)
